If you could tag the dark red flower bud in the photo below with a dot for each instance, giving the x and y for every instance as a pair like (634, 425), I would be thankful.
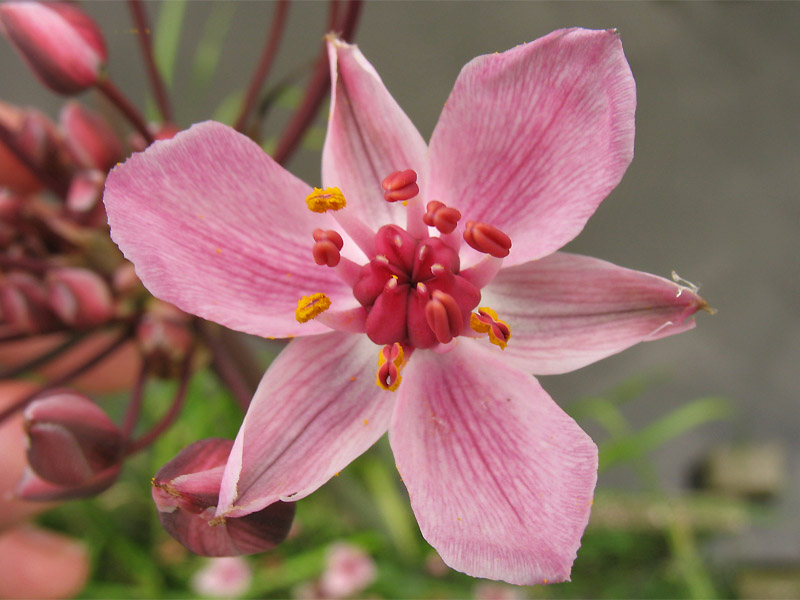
(73, 448)
(62, 45)
(186, 492)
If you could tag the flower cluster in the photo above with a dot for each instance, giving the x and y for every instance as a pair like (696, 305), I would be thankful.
(74, 313)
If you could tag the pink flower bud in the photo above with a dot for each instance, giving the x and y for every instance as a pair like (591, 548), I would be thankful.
(62, 45)
(38, 137)
(13, 174)
(186, 492)
(23, 303)
(85, 191)
(89, 138)
(348, 570)
(80, 298)
(71, 441)
(165, 337)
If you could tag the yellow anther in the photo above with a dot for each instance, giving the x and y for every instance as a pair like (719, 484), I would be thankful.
(487, 321)
(388, 376)
(309, 307)
(320, 201)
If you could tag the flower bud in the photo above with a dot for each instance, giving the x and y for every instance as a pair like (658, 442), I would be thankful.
(71, 441)
(85, 191)
(89, 138)
(13, 174)
(80, 298)
(186, 492)
(164, 337)
(23, 303)
(62, 45)
(10, 207)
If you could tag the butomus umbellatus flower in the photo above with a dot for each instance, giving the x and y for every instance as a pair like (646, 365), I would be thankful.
(422, 286)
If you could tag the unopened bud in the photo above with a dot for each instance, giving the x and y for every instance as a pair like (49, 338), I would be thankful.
(71, 441)
(61, 44)
(165, 337)
(89, 138)
(85, 191)
(80, 298)
(23, 303)
(186, 493)
(14, 175)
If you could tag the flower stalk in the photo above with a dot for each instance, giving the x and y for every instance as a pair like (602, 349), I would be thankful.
(142, 23)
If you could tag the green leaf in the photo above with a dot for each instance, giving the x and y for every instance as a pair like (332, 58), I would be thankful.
(209, 47)
(167, 37)
(678, 422)
(228, 109)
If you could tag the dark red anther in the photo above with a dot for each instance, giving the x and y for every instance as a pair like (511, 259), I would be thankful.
(443, 316)
(400, 185)
(438, 215)
(487, 239)
(327, 246)
(390, 361)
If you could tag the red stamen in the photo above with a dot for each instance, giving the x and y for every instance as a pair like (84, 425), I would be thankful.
(400, 185)
(444, 218)
(443, 316)
(487, 239)
(388, 371)
(327, 247)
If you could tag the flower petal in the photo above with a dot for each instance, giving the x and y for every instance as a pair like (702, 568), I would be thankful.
(219, 229)
(369, 136)
(533, 139)
(566, 311)
(317, 408)
(499, 477)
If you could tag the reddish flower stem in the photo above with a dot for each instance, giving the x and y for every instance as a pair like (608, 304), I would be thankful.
(7, 138)
(124, 105)
(135, 403)
(86, 365)
(225, 368)
(43, 358)
(139, 14)
(264, 65)
(174, 410)
(317, 87)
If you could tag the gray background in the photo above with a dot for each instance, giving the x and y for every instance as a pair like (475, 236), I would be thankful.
(712, 191)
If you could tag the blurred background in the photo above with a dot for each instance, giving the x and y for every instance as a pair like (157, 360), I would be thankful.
(699, 493)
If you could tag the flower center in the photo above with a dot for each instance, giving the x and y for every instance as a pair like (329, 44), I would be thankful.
(413, 293)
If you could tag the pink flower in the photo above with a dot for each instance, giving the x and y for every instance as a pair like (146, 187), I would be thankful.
(224, 577)
(348, 570)
(62, 45)
(529, 143)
